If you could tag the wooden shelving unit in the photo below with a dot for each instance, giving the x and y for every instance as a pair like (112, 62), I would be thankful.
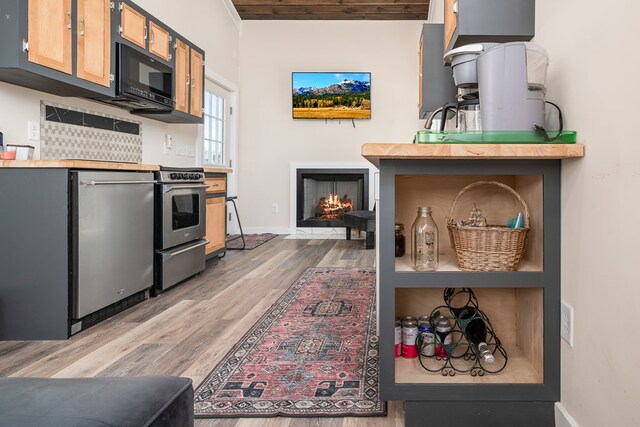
(523, 306)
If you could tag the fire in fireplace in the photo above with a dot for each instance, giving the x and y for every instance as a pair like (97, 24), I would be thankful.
(333, 207)
(325, 195)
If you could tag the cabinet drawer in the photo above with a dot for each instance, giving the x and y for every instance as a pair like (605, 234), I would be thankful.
(216, 185)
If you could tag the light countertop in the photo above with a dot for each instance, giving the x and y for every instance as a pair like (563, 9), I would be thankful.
(374, 152)
(92, 164)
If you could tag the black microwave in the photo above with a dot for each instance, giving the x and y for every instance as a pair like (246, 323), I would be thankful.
(142, 82)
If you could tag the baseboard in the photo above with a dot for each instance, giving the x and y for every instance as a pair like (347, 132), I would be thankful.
(563, 419)
(260, 230)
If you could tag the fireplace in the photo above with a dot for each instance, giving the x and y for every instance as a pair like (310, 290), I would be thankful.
(323, 196)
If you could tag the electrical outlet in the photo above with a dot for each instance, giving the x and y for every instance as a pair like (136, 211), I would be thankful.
(274, 208)
(168, 141)
(566, 322)
(191, 151)
(33, 131)
(181, 149)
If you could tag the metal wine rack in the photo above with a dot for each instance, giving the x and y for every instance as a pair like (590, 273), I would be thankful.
(455, 354)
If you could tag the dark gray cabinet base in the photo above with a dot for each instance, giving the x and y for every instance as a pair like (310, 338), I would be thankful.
(479, 414)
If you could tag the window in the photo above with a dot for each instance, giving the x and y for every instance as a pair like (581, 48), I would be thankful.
(214, 125)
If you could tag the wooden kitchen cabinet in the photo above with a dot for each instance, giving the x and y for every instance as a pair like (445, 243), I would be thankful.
(215, 224)
(133, 25)
(182, 77)
(523, 306)
(216, 205)
(94, 41)
(498, 21)
(159, 41)
(197, 83)
(189, 79)
(49, 34)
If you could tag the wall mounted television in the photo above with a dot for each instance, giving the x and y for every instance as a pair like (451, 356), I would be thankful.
(338, 95)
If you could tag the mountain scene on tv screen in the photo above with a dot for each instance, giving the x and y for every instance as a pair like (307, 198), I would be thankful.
(331, 96)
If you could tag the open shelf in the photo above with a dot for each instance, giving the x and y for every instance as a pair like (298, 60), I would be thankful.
(516, 315)
(447, 262)
(519, 370)
(439, 191)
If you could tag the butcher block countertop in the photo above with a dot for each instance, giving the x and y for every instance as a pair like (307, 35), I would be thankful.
(374, 152)
(92, 164)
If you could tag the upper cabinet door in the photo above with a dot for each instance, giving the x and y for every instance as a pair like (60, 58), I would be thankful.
(450, 20)
(159, 41)
(49, 34)
(197, 82)
(182, 76)
(133, 26)
(94, 41)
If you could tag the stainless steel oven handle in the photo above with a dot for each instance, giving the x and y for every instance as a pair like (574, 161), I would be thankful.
(117, 182)
(180, 187)
(181, 251)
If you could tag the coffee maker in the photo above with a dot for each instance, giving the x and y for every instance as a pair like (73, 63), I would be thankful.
(501, 87)
(511, 83)
(467, 105)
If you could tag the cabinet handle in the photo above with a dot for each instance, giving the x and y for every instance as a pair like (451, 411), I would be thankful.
(188, 79)
(82, 25)
(146, 33)
(193, 82)
(152, 36)
(69, 24)
(455, 7)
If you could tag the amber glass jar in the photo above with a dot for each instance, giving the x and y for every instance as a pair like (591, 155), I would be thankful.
(400, 240)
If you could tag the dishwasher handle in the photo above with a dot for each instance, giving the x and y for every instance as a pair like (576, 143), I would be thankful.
(118, 182)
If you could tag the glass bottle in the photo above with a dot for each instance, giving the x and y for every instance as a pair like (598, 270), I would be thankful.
(424, 241)
(475, 331)
(400, 240)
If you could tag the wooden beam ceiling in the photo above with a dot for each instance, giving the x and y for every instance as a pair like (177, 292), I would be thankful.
(332, 9)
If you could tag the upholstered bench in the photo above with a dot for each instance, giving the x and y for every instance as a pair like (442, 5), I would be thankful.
(96, 402)
(363, 221)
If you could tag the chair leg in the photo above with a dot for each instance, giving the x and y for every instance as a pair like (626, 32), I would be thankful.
(233, 200)
(371, 240)
(348, 233)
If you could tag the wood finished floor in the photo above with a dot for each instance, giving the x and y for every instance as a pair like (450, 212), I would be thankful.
(187, 330)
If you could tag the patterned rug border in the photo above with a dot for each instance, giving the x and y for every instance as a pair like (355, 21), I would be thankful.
(287, 297)
(237, 238)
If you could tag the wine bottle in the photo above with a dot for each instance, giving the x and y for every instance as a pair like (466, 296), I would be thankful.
(475, 331)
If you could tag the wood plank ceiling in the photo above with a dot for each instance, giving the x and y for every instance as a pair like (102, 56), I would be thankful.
(332, 9)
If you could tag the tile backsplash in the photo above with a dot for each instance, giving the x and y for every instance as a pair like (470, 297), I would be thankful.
(72, 133)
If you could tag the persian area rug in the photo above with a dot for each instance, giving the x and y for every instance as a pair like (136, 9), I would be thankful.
(252, 241)
(314, 353)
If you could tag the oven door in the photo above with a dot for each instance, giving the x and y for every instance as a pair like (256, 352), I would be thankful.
(183, 213)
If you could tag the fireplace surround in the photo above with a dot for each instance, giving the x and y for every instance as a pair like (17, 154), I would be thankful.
(323, 195)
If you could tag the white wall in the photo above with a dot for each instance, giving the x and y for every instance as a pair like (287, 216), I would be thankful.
(270, 139)
(592, 77)
(206, 23)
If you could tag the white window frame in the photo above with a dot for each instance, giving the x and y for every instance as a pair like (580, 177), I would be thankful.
(215, 134)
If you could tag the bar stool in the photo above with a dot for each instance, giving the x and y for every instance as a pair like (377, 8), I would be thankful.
(232, 199)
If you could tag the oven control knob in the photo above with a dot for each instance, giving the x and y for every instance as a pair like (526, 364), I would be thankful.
(193, 176)
(172, 175)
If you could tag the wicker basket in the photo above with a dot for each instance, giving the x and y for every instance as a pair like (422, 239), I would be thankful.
(491, 248)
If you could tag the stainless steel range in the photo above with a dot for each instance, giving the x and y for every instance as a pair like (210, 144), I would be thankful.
(179, 225)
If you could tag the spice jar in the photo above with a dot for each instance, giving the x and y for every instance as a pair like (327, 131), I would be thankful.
(400, 240)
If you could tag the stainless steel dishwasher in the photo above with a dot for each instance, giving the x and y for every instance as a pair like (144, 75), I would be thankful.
(112, 241)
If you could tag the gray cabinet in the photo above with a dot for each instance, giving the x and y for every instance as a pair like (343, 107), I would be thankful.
(141, 30)
(435, 80)
(500, 21)
(523, 306)
(70, 49)
(67, 249)
(65, 51)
